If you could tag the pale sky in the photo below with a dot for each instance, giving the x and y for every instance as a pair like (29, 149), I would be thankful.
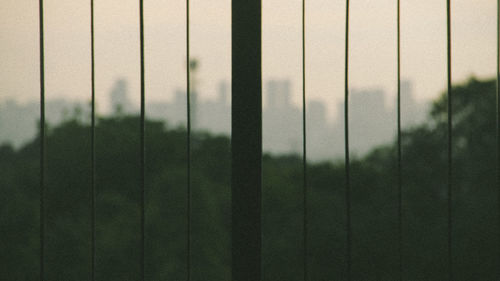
(372, 41)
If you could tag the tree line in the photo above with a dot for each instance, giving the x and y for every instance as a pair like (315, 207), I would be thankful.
(374, 187)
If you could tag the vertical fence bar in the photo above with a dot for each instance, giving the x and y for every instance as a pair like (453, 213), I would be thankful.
(304, 142)
(42, 144)
(400, 184)
(246, 140)
(92, 147)
(143, 140)
(450, 150)
(188, 146)
(498, 124)
(346, 134)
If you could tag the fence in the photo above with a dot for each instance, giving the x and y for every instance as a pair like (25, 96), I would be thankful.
(246, 147)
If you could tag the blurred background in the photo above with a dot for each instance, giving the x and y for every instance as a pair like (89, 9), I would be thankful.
(372, 89)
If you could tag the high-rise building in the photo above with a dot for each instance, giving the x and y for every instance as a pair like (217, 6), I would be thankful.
(223, 93)
(412, 113)
(278, 94)
(119, 97)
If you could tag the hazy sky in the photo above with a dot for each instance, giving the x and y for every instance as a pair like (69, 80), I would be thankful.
(372, 55)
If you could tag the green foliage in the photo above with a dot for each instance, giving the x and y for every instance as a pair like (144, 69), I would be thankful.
(374, 205)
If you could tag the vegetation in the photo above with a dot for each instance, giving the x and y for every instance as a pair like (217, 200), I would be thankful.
(374, 199)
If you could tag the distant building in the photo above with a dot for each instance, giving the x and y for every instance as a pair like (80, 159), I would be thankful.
(281, 120)
(372, 121)
(19, 122)
(206, 115)
(120, 102)
(412, 113)
(278, 94)
(223, 93)
(316, 115)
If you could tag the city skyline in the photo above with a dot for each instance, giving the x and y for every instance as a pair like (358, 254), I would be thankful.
(372, 46)
(373, 118)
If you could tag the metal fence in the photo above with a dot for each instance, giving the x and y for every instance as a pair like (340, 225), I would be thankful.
(247, 144)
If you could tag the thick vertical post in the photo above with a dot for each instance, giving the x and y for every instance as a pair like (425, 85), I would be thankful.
(246, 139)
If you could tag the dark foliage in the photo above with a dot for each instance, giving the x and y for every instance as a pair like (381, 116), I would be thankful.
(374, 194)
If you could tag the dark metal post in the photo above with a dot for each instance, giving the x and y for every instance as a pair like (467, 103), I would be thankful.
(42, 144)
(304, 146)
(188, 146)
(246, 140)
(399, 156)
(142, 139)
(346, 135)
(92, 148)
(450, 147)
(498, 121)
